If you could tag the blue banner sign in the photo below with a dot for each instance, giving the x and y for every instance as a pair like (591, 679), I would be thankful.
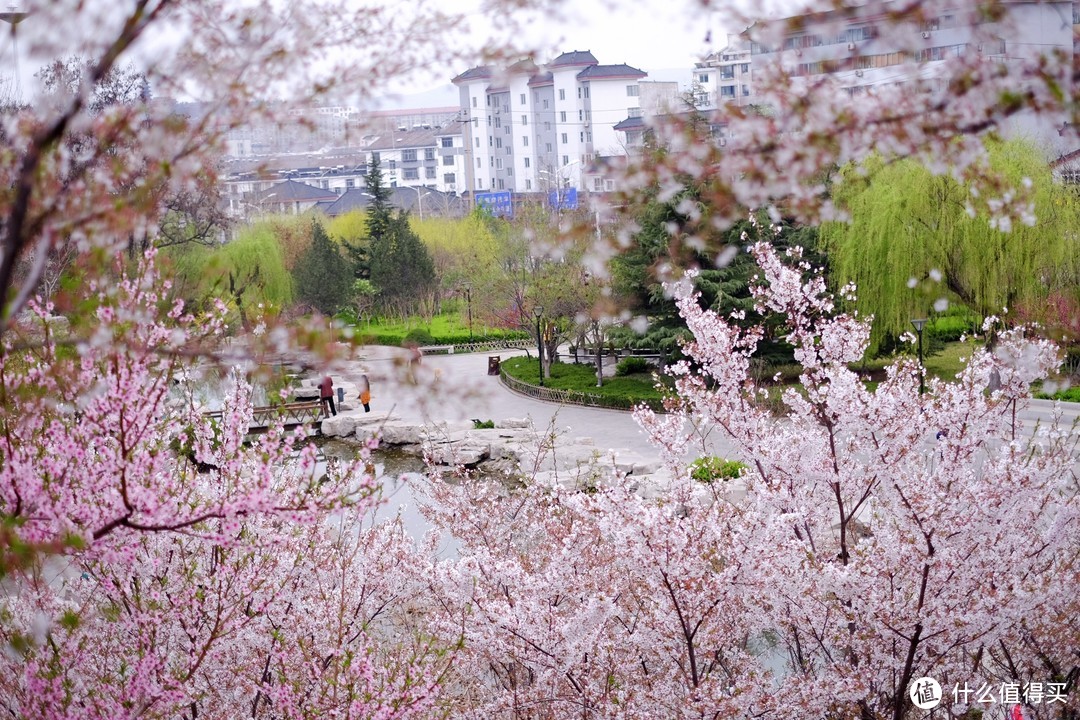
(564, 199)
(499, 204)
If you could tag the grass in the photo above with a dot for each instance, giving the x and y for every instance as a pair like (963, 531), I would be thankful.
(445, 329)
(624, 391)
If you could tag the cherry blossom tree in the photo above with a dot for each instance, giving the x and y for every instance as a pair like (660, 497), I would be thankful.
(875, 538)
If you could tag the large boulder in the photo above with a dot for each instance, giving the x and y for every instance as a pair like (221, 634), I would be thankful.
(340, 425)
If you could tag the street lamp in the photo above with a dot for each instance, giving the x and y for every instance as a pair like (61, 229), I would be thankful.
(919, 325)
(419, 199)
(538, 311)
(468, 300)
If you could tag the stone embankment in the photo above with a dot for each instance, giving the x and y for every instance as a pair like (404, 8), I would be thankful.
(513, 448)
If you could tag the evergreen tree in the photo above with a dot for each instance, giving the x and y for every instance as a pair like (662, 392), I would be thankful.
(323, 277)
(379, 212)
(399, 263)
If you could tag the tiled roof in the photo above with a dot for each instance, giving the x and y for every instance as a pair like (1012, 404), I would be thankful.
(352, 199)
(610, 71)
(477, 73)
(422, 138)
(574, 57)
(541, 79)
(634, 123)
(292, 191)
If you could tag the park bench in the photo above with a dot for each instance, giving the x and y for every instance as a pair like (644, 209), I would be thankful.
(437, 349)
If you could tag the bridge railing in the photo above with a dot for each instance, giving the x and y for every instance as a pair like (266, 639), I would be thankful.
(485, 346)
(290, 414)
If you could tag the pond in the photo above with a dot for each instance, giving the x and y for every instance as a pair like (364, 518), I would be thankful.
(397, 471)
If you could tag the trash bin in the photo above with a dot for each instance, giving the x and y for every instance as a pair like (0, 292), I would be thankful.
(493, 365)
(340, 395)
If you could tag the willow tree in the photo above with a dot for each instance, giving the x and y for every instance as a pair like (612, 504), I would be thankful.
(915, 238)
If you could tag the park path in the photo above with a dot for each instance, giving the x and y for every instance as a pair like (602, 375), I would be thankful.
(457, 387)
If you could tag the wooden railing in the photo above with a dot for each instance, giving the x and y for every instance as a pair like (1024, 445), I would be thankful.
(290, 414)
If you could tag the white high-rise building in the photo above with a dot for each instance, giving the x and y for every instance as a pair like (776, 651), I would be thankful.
(534, 129)
(723, 77)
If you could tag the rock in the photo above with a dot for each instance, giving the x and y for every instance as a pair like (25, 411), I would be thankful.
(338, 425)
(514, 423)
(646, 468)
(464, 455)
(396, 432)
(370, 420)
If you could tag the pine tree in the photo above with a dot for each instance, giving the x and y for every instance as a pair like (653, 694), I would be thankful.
(323, 277)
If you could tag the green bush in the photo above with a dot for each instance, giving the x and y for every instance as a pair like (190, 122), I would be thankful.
(483, 424)
(709, 468)
(631, 365)
(420, 336)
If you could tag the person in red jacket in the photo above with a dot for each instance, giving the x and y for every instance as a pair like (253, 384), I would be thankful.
(326, 395)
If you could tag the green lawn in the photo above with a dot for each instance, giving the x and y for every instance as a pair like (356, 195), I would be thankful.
(623, 391)
(445, 329)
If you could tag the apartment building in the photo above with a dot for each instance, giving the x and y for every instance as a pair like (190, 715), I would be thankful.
(723, 77)
(861, 50)
(531, 128)
(432, 158)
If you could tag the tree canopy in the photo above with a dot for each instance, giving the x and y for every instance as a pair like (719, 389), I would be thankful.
(915, 238)
(323, 277)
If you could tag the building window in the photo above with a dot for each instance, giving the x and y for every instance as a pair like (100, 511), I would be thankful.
(547, 125)
(498, 142)
(525, 140)
(727, 91)
(393, 164)
(448, 142)
(474, 102)
(448, 178)
(429, 153)
(524, 120)
(509, 148)
(429, 173)
(448, 160)
(633, 112)
(597, 184)
(545, 103)
(488, 100)
(588, 136)
(506, 130)
(375, 157)
(478, 163)
(350, 183)
(412, 174)
(703, 78)
(528, 184)
(565, 159)
(491, 141)
(582, 138)
(498, 122)
(477, 142)
(564, 139)
(632, 91)
(579, 93)
(562, 95)
(562, 116)
(522, 98)
(549, 147)
(745, 67)
(745, 90)
(509, 170)
(501, 187)
(526, 162)
(586, 92)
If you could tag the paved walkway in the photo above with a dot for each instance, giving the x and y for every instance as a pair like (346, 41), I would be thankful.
(457, 387)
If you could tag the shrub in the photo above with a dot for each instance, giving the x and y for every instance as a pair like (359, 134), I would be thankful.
(419, 336)
(709, 468)
(631, 365)
(483, 424)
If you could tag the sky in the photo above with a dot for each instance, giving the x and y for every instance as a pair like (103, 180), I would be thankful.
(648, 34)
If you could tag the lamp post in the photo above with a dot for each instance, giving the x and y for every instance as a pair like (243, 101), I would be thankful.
(468, 301)
(538, 311)
(919, 324)
(419, 199)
